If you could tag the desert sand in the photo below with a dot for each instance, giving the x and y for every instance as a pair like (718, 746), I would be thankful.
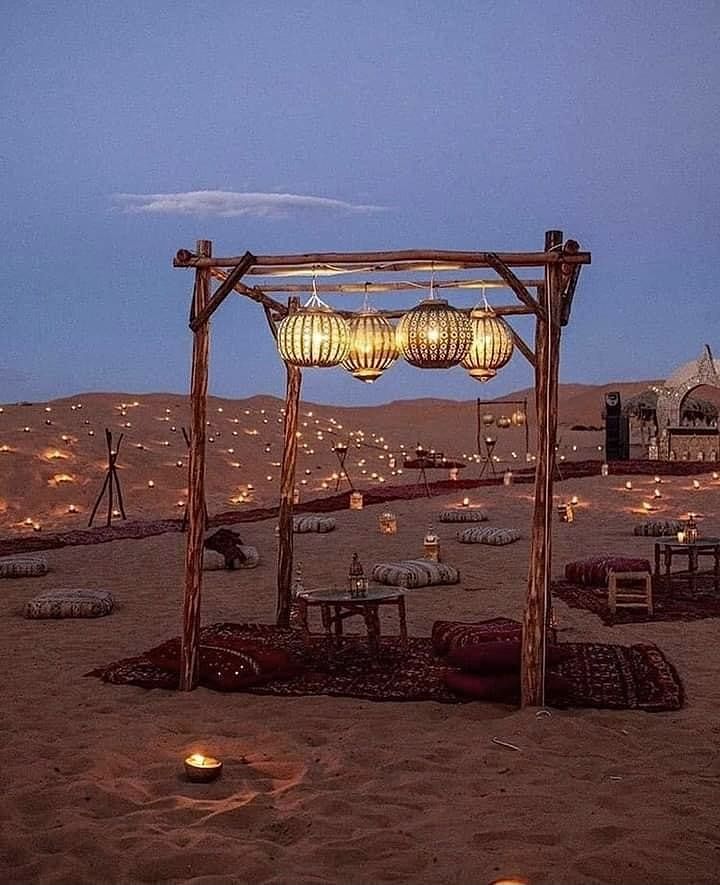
(333, 790)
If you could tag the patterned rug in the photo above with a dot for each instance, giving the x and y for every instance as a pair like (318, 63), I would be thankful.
(704, 602)
(636, 677)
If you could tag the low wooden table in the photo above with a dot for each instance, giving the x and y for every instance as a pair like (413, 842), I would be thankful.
(667, 549)
(338, 605)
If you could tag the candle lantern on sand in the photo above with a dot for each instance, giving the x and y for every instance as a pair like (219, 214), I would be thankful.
(356, 501)
(357, 581)
(388, 523)
(604, 470)
(507, 478)
(202, 769)
(431, 545)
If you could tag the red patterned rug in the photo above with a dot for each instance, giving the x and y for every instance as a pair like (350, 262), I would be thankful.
(636, 677)
(704, 602)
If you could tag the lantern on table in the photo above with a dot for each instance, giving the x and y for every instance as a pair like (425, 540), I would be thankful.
(431, 545)
(357, 580)
(388, 523)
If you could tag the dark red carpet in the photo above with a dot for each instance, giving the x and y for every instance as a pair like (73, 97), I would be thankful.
(683, 605)
(636, 677)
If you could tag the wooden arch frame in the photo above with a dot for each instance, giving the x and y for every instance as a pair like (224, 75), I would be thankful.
(550, 304)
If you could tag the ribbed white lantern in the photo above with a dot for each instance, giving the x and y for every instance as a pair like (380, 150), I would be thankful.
(434, 335)
(492, 345)
(372, 346)
(313, 336)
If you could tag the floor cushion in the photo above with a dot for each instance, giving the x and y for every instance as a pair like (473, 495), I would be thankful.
(214, 561)
(487, 535)
(465, 514)
(488, 658)
(503, 687)
(23, 566)
(658, 527)
(70, 603)
(228, 664)
(302, 524)
(411, 573)
(593, 572)
(453, 634)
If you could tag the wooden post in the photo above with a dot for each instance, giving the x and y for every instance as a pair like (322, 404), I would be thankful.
(547, 347)
(190, 644)
(287, 487)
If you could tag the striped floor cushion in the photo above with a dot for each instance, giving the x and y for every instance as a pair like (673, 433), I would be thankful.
(70, 603)
(496, 537)
(23, 566)
(411, 573)
(302, 524)
(658, 527)
(593, 572)
(463, 515)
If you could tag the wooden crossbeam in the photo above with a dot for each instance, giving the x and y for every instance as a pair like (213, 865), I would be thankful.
(405, 286)
(314, 262)
(255, 293)
(524, 348)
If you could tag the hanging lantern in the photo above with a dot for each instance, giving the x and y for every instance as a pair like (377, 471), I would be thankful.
(488, 418)
(518, 418)
(492, 344)
(503, 421)
(372, 346)
(434, 335)
(313, 336)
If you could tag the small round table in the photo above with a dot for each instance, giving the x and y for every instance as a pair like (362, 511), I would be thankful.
(338, 605)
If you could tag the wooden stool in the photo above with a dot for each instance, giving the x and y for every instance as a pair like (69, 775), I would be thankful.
(630, 590)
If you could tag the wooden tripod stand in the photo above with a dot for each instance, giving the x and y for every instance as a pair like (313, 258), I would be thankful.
(111, 479)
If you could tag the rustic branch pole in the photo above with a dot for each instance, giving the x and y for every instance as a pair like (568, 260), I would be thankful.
(287, 487)
(255, 293)
(190, 643)
(524, 348)
(547, 347)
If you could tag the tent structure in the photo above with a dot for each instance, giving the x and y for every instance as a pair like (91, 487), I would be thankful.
(547, 298)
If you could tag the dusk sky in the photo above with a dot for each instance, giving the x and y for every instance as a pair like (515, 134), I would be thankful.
(395, 124)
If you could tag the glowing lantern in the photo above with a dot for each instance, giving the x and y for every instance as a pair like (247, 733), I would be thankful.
(313, 336)
(372, 346)
(434, 335)
(518, 418)
(492, 344)
(503, 421)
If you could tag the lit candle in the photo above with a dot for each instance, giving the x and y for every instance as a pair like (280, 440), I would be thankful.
(628, 485)
(466, 502)
(681, 537)
(657, 479)
(202, 769)
(574, 499)
(696, 484)
(657, 493)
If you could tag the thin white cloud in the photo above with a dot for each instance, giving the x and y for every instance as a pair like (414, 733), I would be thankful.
(229, 204)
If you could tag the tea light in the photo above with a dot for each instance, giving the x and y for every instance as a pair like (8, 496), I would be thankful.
(696, 484)
(202, 769)
(657, 493)
(151, 484)
(466, 502)
(647, 506)
(628, 486)
(657, 479)
(715, 474)
(574, 500)
(681, 537)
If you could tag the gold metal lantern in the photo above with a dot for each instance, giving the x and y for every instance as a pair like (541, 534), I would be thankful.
(518, 418)
(372, 346)
(492, 344)
(434, 335)
(313, 336)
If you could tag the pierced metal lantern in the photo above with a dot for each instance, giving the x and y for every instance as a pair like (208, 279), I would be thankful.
(313, 336)
(518, 418)
(492, 345)
(434, 335)
(503, 422)
(488, 418)
(372, 346)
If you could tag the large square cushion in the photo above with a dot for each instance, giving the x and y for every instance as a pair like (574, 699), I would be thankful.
(411, 573)
(594, 572)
